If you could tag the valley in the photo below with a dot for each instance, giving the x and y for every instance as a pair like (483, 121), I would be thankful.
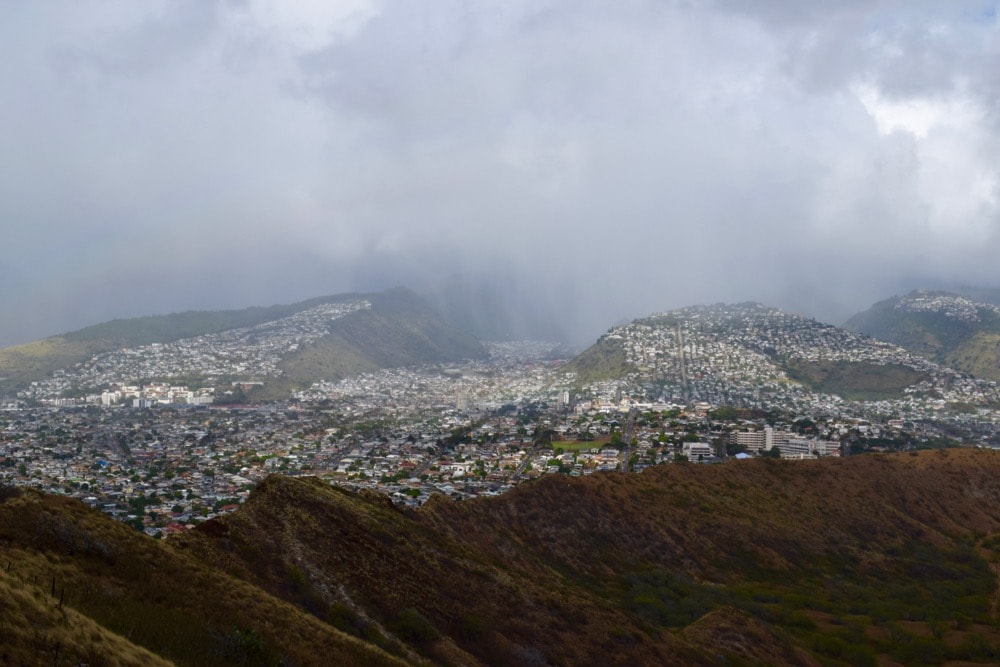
(707, 383)
(370, 476)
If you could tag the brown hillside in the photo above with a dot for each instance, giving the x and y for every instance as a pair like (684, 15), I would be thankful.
(361, 561)
(866, 560)
(93, 590)
(740, 635)
(717, 522)
(563, 570)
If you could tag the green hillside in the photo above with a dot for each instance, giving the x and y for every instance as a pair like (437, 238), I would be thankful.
(399, 329)
(959, 333)
(978, 355)
(22, 364)
(138, 331)
(604, 360)
(854, 380)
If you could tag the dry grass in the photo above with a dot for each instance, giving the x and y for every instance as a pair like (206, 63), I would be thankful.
(855, 561)
(147, 593)
(37, 630)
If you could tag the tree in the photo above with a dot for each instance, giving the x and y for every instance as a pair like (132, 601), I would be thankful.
(725, 413)
(732, 449)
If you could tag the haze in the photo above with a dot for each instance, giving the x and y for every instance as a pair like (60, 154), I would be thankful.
(583, 162)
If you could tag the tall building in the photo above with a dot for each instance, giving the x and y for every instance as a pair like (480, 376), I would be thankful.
(752, 441)
(762, 441)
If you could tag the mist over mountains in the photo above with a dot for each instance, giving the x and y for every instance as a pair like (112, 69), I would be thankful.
(913, 338)
(599, 163)
(703, 199)
(414, 495)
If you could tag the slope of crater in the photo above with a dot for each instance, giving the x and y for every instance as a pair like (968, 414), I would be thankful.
(618, 567)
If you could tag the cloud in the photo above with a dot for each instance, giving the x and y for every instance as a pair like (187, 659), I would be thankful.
(599, 161)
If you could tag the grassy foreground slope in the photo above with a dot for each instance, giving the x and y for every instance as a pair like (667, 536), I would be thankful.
(849, 559)
(389, 575)
(37, 630)
(843, 562)
(81, 588)
(867, 560)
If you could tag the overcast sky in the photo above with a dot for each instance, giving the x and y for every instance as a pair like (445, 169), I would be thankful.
(611, 159)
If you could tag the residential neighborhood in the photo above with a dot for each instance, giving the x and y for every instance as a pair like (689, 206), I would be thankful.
(729, 355)
(464, 430)
(149, 436)
(247, 354)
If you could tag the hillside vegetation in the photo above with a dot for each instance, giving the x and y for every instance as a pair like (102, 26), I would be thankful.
(854, 380)
(604, 360)
(951, 330)
(398, 330)
(137, 331)
(21, 364)
(978, 355)
(865, 560)
(846, 559)
(86, 589)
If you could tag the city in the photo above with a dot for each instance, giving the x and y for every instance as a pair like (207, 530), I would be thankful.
(461, 430)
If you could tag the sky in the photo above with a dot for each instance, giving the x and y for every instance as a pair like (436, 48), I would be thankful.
(589, 162)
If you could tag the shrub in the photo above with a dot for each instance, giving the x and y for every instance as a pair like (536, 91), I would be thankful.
(473, 627)
(413, 626)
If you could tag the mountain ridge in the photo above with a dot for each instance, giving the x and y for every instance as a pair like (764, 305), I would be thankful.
(945, 327)
(837, 562)
(615, 543)
(342, 334)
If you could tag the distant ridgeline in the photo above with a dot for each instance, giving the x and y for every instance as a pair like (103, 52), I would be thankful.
(269, 351)
(952, 329)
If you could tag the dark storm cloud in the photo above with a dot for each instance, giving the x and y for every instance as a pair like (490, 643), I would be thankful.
(601, 160)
